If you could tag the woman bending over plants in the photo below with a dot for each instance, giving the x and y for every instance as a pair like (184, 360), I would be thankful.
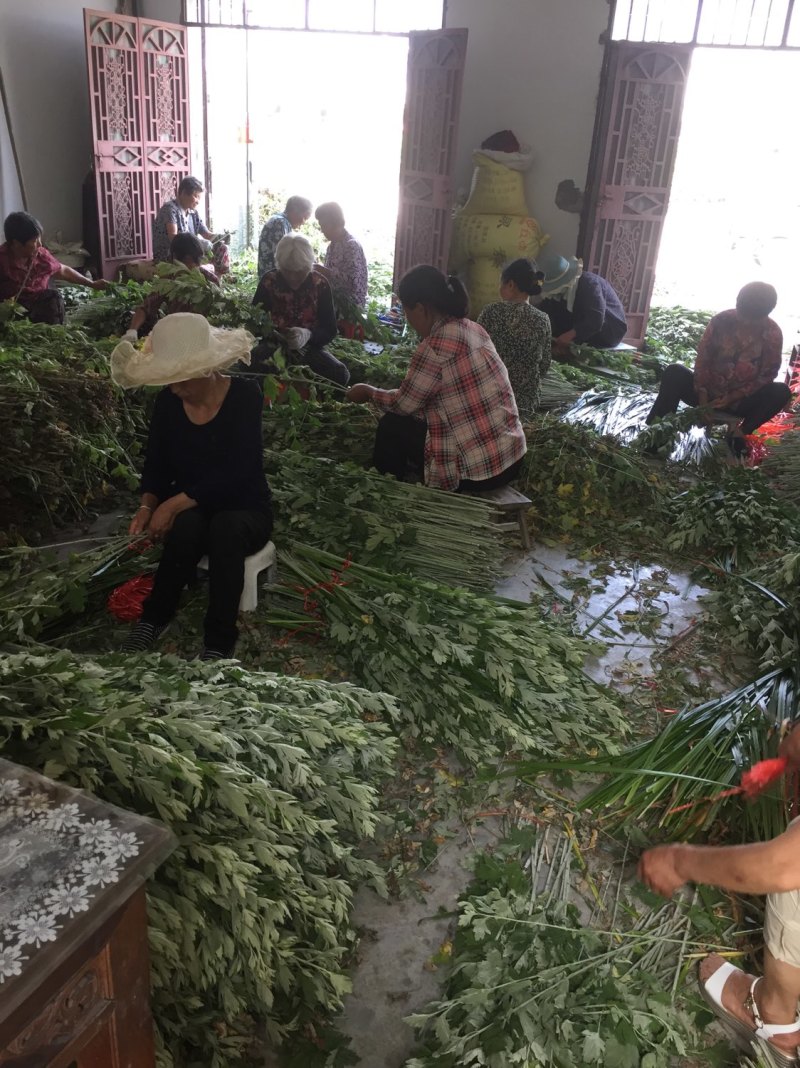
(453, 416)
(203, 487)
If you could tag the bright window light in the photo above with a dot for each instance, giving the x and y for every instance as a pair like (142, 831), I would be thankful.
(344, 16)
(655, 20)
(394, 17)
(279, 14)
(732, 23)
(354, 15)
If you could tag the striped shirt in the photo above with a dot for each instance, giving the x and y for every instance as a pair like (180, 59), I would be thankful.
(458, 383)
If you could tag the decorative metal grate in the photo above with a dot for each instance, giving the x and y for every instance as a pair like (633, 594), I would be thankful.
(710, 23)
(327, 16)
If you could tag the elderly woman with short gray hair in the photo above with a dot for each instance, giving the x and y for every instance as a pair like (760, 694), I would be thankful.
(300, 305)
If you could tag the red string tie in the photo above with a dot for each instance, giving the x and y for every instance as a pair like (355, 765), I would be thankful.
(127, 601)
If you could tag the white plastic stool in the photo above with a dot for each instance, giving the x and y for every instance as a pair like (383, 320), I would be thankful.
(264, 560)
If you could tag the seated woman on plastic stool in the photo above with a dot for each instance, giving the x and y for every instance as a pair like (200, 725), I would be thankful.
(454, 413)
(203, 487)
(738, 357)
(27, 268)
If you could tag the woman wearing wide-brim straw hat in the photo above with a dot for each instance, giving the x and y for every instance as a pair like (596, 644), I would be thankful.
(203, 486)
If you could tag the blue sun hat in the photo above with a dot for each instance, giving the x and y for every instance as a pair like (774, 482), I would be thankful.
(560, 273)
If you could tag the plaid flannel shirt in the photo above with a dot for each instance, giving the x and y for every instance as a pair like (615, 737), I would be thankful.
(458, 383)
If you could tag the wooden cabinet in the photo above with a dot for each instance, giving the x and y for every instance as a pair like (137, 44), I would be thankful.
(74, 964)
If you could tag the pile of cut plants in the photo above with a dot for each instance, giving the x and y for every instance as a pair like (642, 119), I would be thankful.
(68, 434)
(270, 784)
(393, 657)
(540, 974)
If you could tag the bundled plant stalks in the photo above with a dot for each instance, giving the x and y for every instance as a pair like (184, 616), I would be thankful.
(681, 437)
(448, 538)
(67, 433)
(481, 675)
(531, 984)
(683, 780)
(737, 519)
(41, 595)
(326, 428)
(268, 783)
(555, 391)
(587, 485)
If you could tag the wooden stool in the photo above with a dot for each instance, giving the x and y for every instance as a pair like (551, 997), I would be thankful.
(263, 560)
(510, 502)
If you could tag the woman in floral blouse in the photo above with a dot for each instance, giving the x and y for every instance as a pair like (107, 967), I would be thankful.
(520, 332)
(299, 303)
(27, 269)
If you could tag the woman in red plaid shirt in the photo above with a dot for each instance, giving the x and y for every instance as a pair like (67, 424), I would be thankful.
(454, 415)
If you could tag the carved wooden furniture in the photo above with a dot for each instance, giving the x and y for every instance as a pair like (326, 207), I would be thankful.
(74, 966)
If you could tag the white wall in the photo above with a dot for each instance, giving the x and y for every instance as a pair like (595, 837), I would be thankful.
(533, 66)
(43, 59)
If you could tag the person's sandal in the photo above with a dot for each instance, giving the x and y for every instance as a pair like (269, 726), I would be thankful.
(712, 992)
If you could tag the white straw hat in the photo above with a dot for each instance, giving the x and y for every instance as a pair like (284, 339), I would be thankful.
(181, 346)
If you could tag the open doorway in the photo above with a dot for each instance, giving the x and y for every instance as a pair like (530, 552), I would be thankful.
(734, 209)
(726, 203)
(316, 114)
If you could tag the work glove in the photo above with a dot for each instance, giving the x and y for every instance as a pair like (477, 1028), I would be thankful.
(131, 336)
(297, 337)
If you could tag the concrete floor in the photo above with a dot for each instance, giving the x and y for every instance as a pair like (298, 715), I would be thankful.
(395, 975)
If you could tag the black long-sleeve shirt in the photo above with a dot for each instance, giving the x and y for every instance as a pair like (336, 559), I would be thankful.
(597, 315)
(219, 464)
(309, 306)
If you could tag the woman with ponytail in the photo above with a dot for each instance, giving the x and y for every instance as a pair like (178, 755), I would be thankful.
(520, 332)
(453, 416)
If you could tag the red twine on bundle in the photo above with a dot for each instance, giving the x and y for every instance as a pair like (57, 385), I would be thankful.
(310, 604)
(127, 601)
(754, 780)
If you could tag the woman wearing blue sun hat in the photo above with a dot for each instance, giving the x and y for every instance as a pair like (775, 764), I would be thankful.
(582, 307)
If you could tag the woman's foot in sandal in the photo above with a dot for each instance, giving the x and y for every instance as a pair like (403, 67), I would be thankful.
(741, 1001)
